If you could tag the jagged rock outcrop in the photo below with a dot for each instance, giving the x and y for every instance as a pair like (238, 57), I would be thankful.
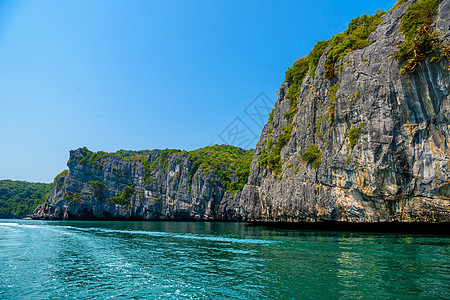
(143, 185)
(383, 139)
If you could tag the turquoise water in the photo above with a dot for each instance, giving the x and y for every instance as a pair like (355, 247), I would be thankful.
(182, 260)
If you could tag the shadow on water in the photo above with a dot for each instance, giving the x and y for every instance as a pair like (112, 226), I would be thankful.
(388, 227)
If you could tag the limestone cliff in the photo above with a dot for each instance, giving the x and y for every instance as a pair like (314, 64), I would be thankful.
(149, 185)
(360, 142)
(359, 133)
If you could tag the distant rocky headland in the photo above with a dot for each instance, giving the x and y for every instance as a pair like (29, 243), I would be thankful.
(203, 184)
(359, 133)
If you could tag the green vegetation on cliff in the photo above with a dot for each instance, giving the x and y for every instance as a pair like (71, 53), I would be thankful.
(332, 98)
(124, 198)
(355, 37)
(352, 138)
(420, 39)
(73, 198)
(354, 133)
(20, 197)
(418, 14)
(313, 155)
(294, 75)
(271, 157)
(133, 155)
(97, 187)
(149, 167)
(398, 4)
(231, 164)
(92, 159)
(63, 173)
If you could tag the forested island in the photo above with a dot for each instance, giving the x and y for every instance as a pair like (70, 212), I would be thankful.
(18, 199)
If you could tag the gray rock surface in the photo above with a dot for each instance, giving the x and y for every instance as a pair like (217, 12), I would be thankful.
(399, 167)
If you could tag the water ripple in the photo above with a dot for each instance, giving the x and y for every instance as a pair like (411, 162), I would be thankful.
(170, 260)
(179, 236)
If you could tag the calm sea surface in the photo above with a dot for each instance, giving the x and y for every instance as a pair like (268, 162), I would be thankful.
(183, 260)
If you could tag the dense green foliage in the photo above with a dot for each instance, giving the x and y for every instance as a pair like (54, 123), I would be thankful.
(73, 198)
(354, 133)
(355, 37)
(271, 157)
(353, 98)
(225, 161)
(352, 138)
(418, 14)
(398, 4)
(162, 160)
(98, 188)
(63, 173)
(420, 39)
(92, 159)
(271, 115)
(313, 156)
(294, 75)
(314, 56)
(20, 197)
(332, 98)
(444, 51)
(319, 125)
(124, 198)
(133, 155)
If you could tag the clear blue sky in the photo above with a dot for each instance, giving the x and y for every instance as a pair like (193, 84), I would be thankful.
(114, 75)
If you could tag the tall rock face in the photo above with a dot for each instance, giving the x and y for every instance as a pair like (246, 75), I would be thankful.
(359, 133)
(149, 185)
(364, 144)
